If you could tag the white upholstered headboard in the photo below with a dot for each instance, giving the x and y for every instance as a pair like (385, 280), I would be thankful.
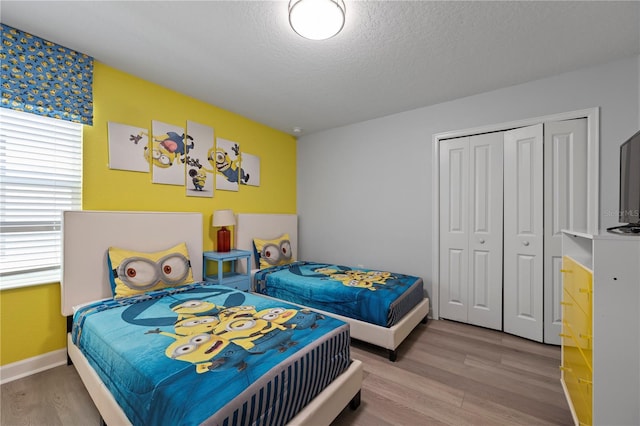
(265, 226)
(87, 236)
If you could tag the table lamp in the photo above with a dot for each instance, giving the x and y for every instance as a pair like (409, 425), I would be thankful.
(222, 219)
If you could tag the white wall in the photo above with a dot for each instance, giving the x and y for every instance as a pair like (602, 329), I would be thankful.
(365, 191)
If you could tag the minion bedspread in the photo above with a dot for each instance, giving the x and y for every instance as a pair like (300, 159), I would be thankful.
(377, 297)
(210, 354)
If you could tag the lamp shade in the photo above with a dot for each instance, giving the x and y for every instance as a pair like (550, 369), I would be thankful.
(317, 19)
(223, 218)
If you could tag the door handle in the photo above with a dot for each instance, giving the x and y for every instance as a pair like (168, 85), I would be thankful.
(481, 241)
(525, 243)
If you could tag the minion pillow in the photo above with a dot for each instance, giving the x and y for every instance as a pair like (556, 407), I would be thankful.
(273, 252)
(132, 273)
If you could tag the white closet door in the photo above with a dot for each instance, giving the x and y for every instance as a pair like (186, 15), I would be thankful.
(454, 232)
(471, 230)
(523, 232)
(485, 226)
(565, 199)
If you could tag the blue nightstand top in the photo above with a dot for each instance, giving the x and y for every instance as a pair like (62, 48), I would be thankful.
(224, 255)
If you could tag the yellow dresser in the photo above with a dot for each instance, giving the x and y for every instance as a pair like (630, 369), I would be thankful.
(600, 367)
(577, 332)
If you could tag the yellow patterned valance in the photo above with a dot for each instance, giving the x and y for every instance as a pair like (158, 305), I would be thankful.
(45, 78)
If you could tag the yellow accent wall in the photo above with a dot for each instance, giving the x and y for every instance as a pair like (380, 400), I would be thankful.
(30, 320)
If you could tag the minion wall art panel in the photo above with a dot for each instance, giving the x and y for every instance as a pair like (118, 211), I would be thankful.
(251, 167)
(200, 173)
(227, 160)
(127, 146)
(168, 153)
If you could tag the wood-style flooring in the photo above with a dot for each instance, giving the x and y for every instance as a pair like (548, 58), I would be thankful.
(447, 373)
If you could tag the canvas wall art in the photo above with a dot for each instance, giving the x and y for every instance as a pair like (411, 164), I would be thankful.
(251, 166)
(167, 153)
(228, 165)
(127, 147)
(200, 174)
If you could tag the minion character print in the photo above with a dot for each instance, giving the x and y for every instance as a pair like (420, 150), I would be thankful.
(370, 280)
(226, 160)
(134, 272)
(274, 252)
(206, 351)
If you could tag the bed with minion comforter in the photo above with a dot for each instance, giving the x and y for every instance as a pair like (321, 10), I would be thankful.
(154, 345)
(377, 297)
(176, 356)
(381, 307)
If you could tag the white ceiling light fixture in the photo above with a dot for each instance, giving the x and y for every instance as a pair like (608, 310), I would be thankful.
(317, 19)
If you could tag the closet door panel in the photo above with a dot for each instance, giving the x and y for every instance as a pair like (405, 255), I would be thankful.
(525, 286)
(485, 242)
(565, 200)
(523, 232)
(454, 232)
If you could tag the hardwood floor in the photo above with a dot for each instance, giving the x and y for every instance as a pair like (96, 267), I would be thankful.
(449, 373)
(54, 397)
(446, 374)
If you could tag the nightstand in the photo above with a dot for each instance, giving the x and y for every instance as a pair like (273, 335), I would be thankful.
(231, 278)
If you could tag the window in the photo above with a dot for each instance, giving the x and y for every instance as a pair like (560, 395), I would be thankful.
(40, 176)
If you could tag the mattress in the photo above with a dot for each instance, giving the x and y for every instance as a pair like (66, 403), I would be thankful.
(377, 297)
(207, 354)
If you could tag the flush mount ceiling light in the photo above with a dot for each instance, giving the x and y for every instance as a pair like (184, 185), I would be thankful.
(316, 19)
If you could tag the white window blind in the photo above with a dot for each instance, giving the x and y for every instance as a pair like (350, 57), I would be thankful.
(40, 176)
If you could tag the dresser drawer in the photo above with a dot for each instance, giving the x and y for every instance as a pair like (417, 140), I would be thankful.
(579, 355)
(580, 393)
(578, 284)
(579, 322)
(578, 360)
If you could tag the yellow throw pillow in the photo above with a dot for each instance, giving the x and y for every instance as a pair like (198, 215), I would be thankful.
(133, 273)
(273, 252)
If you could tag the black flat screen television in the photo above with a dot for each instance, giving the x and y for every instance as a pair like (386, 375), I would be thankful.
(629, 212)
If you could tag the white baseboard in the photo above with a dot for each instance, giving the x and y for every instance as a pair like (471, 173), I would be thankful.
(29, 366)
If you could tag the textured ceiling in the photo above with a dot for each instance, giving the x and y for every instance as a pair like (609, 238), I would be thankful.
(391, 56)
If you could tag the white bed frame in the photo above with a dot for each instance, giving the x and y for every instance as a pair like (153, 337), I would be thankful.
(271, 226)
(86, 237)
